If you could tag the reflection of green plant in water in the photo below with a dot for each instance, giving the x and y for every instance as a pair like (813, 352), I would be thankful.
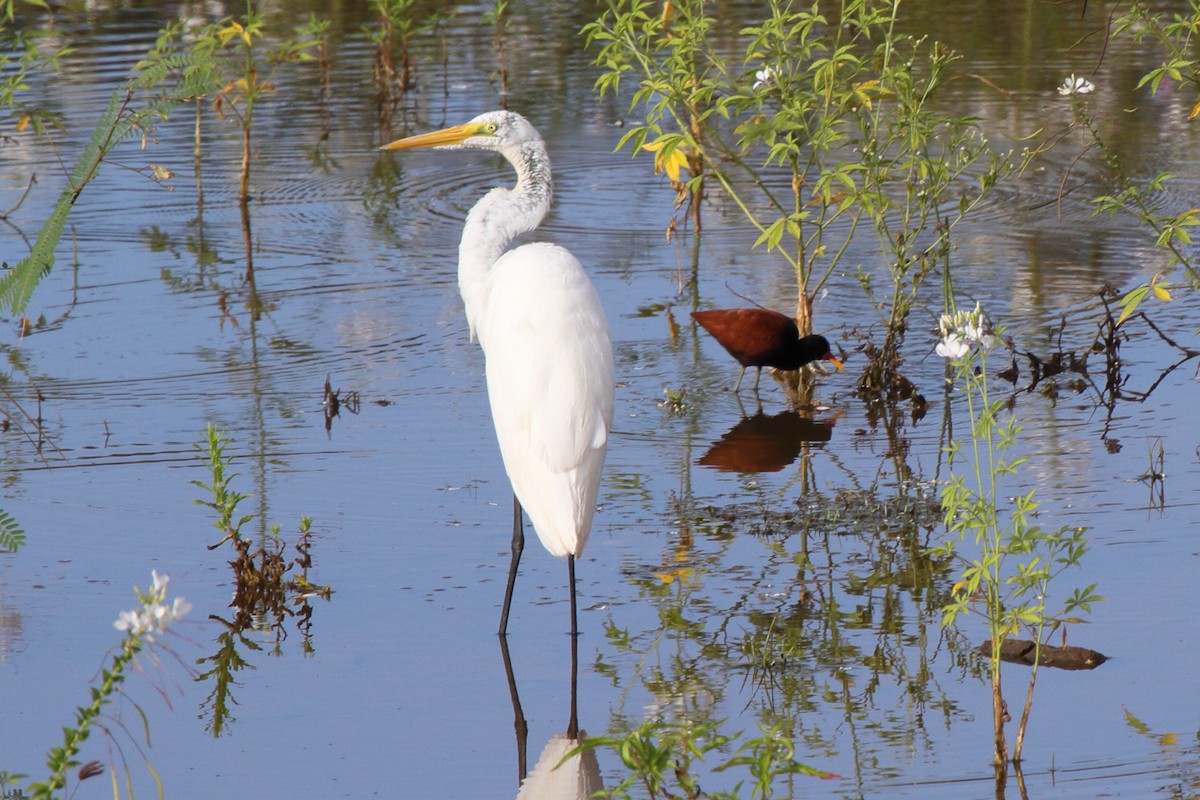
(225, 663)
(842, 105)
(142, 627)
(1177, 773)
(267, 588)
(1009, 580)
(838, 619)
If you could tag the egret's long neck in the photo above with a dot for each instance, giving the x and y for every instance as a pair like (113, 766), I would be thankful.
(501, 216)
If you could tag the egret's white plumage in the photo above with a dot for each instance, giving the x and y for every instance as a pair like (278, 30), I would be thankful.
(544, 335)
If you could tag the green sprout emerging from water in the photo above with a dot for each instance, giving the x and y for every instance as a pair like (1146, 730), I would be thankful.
(663, 758)
(1009, 580)
(269, 589)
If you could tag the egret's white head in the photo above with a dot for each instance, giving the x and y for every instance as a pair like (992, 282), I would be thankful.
(495, 130)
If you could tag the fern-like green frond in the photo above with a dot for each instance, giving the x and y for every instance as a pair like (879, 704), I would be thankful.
(118, 123)
(17, 285)
(12, 538)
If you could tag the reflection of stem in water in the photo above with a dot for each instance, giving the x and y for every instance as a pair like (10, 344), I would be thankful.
(1001, 779)
(249, 242)
(796, 656)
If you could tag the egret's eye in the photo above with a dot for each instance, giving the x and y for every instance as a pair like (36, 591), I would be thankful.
(492, 127)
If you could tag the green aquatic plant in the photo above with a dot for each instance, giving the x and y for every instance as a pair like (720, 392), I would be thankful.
(1174, 32)
(498, 17)
(663, 759)
(134, 110)
(246, 60)
(143, 627)
(221, 496)
(22, 56)
(1008, 579)
(396, 24)
(12, 537)
(268, 590)
(319, 32)
(822, 130)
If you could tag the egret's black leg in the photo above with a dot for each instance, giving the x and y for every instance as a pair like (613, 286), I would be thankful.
(518, 545)
(571, 580)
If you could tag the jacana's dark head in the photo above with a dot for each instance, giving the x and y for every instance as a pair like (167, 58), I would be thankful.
(818, 346)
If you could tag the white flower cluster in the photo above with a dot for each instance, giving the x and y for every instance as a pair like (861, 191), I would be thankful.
(1073, 85)
(154, 616)
(962, 330)
(764, 77)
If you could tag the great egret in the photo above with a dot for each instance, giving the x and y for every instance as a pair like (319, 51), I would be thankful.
(545, 340)
(759, 337)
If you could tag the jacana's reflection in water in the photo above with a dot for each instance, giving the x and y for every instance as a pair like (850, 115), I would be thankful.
(766, 443)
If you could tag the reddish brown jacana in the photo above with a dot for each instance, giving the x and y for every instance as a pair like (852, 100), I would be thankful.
(759, 337)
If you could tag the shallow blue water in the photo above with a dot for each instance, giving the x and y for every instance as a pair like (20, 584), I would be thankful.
(405, 691)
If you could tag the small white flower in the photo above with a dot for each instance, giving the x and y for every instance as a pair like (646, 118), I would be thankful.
(154, 616)
(127, 621)
(1074, 85)
(159, 587)
(953, 347)
(179, 608)
(764, 76)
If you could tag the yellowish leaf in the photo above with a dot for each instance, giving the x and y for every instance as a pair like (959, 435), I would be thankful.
(864, 90)
(1130, 302)
(23, 122)
(1160, 289)
(1195, 111)
(161, 173)
(673, 163)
